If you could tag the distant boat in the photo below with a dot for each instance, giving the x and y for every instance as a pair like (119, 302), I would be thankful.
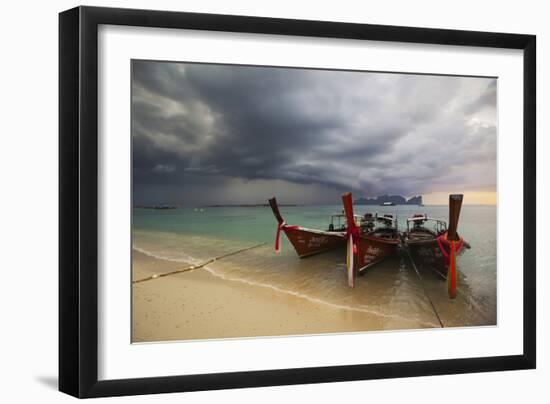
(370, 241)
(387, 204)
(432, 245)
(308, 242)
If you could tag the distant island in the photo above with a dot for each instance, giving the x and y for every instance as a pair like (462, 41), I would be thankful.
(389, 200)
(156, 206)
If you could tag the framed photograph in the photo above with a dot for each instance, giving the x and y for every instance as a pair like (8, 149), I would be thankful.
(251, 201)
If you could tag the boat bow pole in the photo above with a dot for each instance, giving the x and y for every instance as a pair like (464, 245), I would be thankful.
(454, 240)
(280, 222)
(352, 234)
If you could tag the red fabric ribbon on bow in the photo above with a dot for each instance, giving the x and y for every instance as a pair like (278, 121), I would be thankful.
(353, 232)
(278, 237)
(450, 260)
(442, 239)
(282, 226)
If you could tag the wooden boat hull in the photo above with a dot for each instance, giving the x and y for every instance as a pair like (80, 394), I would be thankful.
(372, 250)
(306, 241)
(437, 248)
(309, 242)
(427, 254)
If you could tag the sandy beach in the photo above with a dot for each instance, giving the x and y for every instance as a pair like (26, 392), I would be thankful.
(200, 305)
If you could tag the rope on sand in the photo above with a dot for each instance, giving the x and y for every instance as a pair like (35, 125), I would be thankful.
(425, 290)
(192, 267)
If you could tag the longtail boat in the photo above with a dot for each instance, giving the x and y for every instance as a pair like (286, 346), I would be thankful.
(434, 246)
(370, 240)
(309, 242)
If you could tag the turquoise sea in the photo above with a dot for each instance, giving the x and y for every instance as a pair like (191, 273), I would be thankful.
(391, 289)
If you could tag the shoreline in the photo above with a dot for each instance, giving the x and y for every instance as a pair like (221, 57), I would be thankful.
(200, 305)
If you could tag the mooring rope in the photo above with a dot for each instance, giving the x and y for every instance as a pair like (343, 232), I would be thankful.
(424, 288)
(193, 267)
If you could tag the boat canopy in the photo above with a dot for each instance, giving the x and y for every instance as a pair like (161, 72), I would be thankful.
(368, 220)
(420, 220)
(338, 221)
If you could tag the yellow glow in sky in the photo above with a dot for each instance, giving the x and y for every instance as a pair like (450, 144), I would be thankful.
(470, 198)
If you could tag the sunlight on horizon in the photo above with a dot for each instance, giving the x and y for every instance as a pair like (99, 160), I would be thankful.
(470, 198)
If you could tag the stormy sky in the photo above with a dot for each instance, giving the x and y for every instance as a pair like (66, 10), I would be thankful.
(226, 134)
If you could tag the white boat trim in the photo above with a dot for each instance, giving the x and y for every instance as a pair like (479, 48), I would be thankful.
(322, 232)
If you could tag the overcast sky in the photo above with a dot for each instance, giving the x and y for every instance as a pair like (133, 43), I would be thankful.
(206, 134)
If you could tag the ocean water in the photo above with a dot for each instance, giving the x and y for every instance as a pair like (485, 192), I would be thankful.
(391, 290)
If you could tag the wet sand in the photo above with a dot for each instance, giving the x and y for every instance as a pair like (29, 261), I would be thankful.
(200, 305)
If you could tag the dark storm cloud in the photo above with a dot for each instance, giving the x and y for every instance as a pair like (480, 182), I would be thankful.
(203, 127)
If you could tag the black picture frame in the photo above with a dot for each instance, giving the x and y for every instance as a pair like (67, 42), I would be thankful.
(78, 201)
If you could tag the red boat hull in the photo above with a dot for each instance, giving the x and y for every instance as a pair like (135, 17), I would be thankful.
(371, 250)
(309, 242)
(427, 254)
